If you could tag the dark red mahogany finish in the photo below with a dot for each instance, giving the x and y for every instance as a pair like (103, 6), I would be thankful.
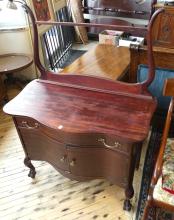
(85, 127)
(111, 11)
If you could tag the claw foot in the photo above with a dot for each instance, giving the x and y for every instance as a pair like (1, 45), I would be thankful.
(32, 172)
(127, 205)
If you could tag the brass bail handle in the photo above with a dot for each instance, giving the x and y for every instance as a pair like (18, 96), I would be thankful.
(116, 144)
(26, 125)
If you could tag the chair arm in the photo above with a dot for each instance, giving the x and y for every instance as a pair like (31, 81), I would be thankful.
(159, 162)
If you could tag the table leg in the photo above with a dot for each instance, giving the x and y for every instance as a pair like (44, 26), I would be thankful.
(3, 92)
(138, 156)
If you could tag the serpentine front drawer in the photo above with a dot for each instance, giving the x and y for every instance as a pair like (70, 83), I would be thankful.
(109, 142)
(96, 156)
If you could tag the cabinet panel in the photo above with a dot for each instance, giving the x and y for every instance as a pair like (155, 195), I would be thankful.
(99, 162)
(163, 32)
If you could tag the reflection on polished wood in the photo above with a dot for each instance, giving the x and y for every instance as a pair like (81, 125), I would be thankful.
(103, 61)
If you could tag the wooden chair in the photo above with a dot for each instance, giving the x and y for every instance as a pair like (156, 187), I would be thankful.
(162, 176)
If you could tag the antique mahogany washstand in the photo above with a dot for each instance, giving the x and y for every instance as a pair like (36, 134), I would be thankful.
(84, 126)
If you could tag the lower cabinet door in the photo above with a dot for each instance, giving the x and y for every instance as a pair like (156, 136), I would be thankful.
(99, 162)
(41, 147)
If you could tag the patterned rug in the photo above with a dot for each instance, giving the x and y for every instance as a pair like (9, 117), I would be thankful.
(154, 144)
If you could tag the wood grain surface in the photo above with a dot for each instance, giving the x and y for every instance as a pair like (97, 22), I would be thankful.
(103, 61)
(84, 111)
(163, 58)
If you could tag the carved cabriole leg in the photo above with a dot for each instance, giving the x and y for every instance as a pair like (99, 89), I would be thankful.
(32, 171)
(129, 192)
(138, 157)
(3, 93)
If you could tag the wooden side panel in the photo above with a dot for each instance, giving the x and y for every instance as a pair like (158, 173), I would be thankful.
(163, 32)
(163, 58)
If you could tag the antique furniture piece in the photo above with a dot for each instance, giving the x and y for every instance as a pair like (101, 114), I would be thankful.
(86, 127)
(3, 94)
(163, 33)
(138, 55)
(126, 12)
(9, 64)
(164, 69)
(161, 192)
(113, 66)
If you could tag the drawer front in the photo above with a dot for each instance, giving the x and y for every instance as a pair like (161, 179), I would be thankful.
(31, 124)
(41, 147)
(99, 162)
(83, 140)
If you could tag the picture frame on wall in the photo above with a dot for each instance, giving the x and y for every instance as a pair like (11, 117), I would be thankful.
(41, 10)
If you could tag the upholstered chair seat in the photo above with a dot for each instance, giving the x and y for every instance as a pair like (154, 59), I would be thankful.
(164, 189)
(168, 167)
(162, 195)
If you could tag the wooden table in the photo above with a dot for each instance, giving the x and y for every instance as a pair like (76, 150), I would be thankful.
(10, 63)
(103, 61)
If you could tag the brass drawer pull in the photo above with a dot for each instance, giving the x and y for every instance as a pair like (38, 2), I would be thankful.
(26, 125)
(67, 172)
(62, 159)
(116, 145)
(72, 163)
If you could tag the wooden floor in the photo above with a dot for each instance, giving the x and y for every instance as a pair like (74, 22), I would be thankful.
(52, 196)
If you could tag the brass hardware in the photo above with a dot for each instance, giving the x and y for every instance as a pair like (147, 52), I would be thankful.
(72, 163)
(26, 125)
(116, 144)
(62, 159)
(67, 172)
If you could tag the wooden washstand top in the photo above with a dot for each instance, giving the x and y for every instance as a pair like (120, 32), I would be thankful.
(84, 110)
